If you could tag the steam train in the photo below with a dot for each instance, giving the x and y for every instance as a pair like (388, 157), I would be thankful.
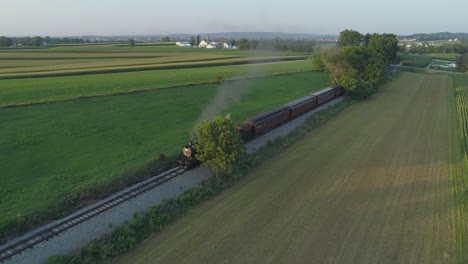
(264, 122)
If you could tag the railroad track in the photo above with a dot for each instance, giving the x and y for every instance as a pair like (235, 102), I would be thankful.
(28, 242)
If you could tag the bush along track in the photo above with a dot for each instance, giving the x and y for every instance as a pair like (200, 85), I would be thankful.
(128, 236)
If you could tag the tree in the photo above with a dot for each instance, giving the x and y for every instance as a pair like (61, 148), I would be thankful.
(462, 62)
(243, 44)
(358, 69)
(218, 145)
(36, 41)
(350, 37)
(131, 42)
(317, 62)
(386, 45)
(367, 38)
(166, 39)
(6, 42)
(193, 41)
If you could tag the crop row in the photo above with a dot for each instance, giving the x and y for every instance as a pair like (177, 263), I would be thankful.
(462, 100)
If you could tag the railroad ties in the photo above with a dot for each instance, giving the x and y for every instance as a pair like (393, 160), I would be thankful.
(34, 239)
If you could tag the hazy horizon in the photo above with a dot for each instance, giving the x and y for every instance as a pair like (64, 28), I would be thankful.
(144, 17)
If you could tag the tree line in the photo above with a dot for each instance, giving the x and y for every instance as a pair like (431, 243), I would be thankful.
(360, 61)
(38, 41)
(277, 44)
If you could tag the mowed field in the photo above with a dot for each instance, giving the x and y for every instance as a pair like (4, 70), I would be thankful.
(78, 71)
(372, 185)
(51, 151)
(80, 117)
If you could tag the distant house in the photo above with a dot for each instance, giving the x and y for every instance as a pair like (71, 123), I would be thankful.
(227, 45)
(452, 65)
(212, 45)
(202, 44)
(183, 44)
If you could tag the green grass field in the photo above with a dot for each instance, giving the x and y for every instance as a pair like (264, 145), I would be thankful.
(373, 185)
(422, 61)
(414, 60)
(54, 149)
(25, 91)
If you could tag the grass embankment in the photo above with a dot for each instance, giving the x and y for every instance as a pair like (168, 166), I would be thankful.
(52, 151)
(460, 162)
(371, 186)
(27, 91)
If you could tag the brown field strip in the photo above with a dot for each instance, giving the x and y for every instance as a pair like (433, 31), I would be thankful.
(371, 186)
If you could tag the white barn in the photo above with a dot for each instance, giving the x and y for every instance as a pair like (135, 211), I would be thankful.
(202, 44)
(183, 44)
(212, 45)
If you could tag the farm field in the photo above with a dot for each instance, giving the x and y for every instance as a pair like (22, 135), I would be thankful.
(461, 170)
(422, 61)
(89, 59)
(34, 90)
(373, 185)
(50, 151)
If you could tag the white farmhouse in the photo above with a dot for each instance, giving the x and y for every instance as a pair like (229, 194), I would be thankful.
(227, 45)
(212, 45)
(202, 44)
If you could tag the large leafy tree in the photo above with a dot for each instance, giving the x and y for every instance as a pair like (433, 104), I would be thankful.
(5, 41)
(350, 37)
(358, 69)
(386, 45)
(243, 44)
(219, 144)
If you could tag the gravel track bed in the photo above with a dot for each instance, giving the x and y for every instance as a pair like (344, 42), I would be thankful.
(83, 233)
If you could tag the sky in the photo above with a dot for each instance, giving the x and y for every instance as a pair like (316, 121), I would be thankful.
(151, 17)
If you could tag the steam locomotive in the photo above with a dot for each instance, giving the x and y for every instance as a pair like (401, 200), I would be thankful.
(264, 122)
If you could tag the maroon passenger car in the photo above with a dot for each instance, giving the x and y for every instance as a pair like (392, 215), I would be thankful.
(264, 122)
(301, 105)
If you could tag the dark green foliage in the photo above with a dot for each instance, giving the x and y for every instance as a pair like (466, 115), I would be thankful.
(350, 37)
(462, 63)
(5, 41)
(386, 45)
(219, 144)
(243, 44)
(317, 62)
(360, 69)
(277, 44)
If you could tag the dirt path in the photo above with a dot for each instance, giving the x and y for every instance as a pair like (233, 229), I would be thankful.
(371, 186)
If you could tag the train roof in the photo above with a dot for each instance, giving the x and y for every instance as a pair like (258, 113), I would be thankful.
(323, 91)
(300, 100)
(266, 114)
